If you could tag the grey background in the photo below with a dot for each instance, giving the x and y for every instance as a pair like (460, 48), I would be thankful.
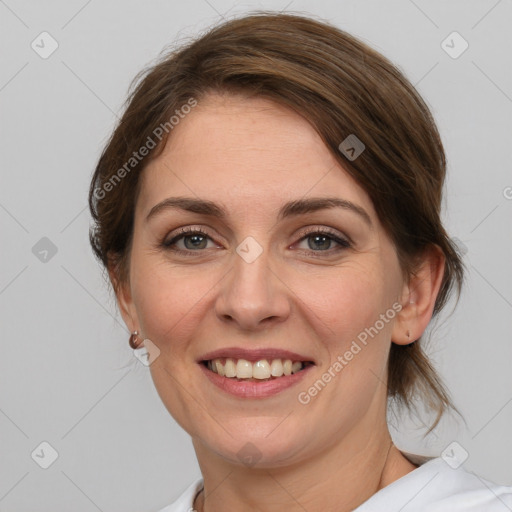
(67, 374)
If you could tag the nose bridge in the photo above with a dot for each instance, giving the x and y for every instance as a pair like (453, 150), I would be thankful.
(251, 293)
(250, 272)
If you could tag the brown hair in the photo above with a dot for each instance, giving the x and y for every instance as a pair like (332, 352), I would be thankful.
(342, 87)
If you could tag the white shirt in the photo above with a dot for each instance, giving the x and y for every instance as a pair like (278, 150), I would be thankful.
(433, 487)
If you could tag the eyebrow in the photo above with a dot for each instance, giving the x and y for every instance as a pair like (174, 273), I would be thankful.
(290, 209)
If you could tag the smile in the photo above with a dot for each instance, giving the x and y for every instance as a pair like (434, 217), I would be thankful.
(264, 369)
(261, 379)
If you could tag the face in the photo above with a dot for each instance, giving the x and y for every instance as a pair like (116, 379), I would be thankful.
(322, 282)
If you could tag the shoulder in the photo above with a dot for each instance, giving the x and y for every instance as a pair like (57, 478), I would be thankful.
(432, 487)
(461, 490)
(436, 487)
(184, 503)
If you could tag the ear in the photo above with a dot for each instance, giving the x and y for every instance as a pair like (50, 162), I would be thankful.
(123, 294)
(419, 297)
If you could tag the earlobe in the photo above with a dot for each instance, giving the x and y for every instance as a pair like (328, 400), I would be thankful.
(419, 297)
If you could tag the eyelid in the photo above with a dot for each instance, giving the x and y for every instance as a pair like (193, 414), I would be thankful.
(305, 232)
(343, 240)
(326, 231)
(182, 232)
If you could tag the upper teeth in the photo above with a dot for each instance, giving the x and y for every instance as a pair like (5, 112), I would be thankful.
(262, 369)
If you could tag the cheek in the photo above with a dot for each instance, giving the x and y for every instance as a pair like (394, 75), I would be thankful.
(343, 310)
(343, 302)
(168, 301)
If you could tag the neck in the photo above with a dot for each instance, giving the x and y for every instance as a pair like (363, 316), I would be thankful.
(340, 478)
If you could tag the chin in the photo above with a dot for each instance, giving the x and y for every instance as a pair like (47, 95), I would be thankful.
(267, 447)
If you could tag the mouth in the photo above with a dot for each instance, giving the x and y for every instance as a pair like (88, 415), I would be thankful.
(255, 373)
(263, 369)
(259, 379)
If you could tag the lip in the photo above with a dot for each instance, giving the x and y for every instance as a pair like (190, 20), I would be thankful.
(254, 355)
(252, 389)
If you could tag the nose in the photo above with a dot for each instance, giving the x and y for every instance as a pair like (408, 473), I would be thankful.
(252, 296)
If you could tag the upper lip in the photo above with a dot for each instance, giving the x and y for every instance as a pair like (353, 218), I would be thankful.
(253, 355)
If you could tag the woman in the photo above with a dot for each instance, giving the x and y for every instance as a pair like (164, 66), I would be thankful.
(268, 210)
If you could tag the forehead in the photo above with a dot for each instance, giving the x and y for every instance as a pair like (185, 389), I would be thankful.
(246, 152)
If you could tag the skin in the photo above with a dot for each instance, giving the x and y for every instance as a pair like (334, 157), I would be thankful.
(250, 156)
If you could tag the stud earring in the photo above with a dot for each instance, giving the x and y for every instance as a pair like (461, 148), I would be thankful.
(133, 339)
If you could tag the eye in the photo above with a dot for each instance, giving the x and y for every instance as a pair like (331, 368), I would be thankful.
(322, 240)
(194, 239)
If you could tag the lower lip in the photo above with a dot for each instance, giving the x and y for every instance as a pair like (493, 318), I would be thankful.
(251, 389)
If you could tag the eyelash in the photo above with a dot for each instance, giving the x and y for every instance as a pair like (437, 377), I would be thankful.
(343, 243)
